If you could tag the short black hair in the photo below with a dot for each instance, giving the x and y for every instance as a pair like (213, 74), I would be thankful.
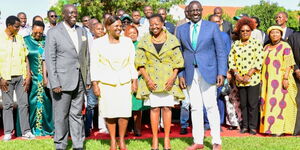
(11, 20)
(21, 13)
(50, 11)
(158, 16)
(257, 20)
(38, 23)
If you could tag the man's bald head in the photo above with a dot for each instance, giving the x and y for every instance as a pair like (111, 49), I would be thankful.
(70, 14)
(218, 11)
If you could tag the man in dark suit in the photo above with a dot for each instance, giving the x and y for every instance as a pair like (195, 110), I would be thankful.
(205, 65)
(281, 20)
(169, 26)
(294, 41)
(67, 61)
(225, 25)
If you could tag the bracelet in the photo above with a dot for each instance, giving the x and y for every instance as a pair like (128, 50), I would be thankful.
(285, 79)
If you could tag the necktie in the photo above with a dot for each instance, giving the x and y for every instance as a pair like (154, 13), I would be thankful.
(194, 37)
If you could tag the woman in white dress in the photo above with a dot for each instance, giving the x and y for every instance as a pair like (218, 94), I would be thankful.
(114, 77)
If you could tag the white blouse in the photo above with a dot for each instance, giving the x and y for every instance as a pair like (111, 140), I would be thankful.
(113, 63)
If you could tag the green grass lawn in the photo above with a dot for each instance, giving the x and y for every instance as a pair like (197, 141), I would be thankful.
(229, 143)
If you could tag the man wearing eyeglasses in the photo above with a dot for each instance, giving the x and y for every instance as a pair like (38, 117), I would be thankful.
(205, 65)
(52, 18)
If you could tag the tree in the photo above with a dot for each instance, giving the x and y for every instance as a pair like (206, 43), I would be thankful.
(266, 12)
(96, 8)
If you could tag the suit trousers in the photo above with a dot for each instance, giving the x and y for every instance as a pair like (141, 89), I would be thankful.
(297, 126)
(15, 84)
(249, 98)
(68, 117)
(204, 94)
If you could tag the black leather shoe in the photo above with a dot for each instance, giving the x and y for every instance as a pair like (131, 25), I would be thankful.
(138, 134)
(77, 148)
(244, 130)
(252, 131)
(183, 131)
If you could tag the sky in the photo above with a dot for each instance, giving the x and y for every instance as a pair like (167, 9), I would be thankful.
(40, 7)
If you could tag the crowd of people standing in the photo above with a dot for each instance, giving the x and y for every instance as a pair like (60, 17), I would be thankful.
(224, 74)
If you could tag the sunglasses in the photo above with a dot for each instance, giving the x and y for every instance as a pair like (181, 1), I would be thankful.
(245, 31)
(53, 16)
(85, 20)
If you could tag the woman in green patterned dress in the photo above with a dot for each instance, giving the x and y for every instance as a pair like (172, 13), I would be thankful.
(41, 120)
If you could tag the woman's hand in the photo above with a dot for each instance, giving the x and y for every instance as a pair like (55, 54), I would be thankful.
(151, 85)
(169, 84)
(285, 84)
(96, 89)
(45, 81)
(239, 78)
(247, 79)
(134, 85)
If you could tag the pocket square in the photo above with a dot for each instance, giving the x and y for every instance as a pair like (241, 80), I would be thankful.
(83, 38)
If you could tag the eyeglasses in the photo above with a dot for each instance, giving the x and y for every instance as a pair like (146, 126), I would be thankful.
(53, 16)
(245, 31)
(195, 10)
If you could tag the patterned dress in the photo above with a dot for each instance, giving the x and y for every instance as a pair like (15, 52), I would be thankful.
(278, 107)
(40, 112)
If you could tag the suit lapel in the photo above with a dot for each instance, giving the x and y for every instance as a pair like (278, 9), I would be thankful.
(66, 34)
(79, 34)
(187, 36)
(201, 34)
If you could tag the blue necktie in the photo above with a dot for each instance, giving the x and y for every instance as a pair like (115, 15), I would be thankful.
(195, 37)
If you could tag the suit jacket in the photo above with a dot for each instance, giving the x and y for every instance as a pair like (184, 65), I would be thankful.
(294, 41)
(170, 27)
(227, 27)
(210, 54)
(64, 64)
(288, 32)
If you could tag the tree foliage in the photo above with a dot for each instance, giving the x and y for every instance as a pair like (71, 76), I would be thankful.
(96, 8)
(266, 12)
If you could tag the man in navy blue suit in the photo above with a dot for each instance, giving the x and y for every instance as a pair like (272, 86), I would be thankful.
(281, 20)
(205, 67)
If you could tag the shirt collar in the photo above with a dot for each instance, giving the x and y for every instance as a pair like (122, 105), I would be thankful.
(69, 28)
(199, 23)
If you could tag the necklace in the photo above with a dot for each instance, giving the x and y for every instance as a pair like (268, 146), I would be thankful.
(273, 44)
(160, 39)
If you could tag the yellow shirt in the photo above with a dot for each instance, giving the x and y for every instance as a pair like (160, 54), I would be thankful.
(245, 57)
(12, 56)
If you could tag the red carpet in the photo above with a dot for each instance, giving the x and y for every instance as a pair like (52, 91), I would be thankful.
(146, 133)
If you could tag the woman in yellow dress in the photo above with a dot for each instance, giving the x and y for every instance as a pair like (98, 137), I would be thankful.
(159, 60)
(278, 106)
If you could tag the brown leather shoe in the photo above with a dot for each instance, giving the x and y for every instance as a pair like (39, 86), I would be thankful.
(195, 147)
(217, 147)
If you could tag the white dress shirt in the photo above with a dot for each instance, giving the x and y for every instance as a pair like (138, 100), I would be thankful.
(73, 35)
(192, 28)
(24, 31)
(284, 32)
